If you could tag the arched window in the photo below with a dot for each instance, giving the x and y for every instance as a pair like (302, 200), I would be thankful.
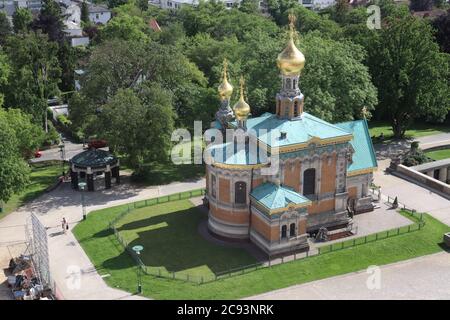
(292, 230)
(309, 182)
(279, 107)
(283, 232)
(293, 84)
(240, 192)
(295, 108)
(213, 186)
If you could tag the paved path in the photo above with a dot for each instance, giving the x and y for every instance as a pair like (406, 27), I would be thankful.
(414, 196)
(71, 149)
(68, 262)
(425, 277)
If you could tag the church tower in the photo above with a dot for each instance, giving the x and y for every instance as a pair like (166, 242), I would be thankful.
(290, 61)
(225, 113)
(241, 108)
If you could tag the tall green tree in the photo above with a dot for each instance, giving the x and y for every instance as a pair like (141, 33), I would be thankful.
(50, 20)
(126, 27)
(335, 81)
(14, 172)
(442, 26)
(4, 74)
(411, 75)
(5, 27)
(249, 6)
(138, 125)
(22, 19)
(84, 15)
(35, 73)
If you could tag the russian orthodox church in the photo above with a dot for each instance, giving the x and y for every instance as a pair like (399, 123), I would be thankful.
(324, 175)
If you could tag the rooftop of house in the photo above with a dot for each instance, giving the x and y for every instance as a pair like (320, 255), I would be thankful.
(273, 196)
(364, 156)
(268, 128)
(93, 8)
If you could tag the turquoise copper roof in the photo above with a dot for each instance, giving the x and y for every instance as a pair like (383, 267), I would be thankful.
(297, 131)
(364, 156)
(229, 154)
(94, 158)
(274, 196)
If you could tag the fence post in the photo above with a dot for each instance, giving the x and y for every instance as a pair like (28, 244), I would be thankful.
(409, 228)
(376, 236)
(365, 239)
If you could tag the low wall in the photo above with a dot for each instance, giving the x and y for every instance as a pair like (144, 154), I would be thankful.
(424, 179)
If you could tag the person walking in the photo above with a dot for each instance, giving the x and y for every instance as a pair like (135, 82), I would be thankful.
(64, 225)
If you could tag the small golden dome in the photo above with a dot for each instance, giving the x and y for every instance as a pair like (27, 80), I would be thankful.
(241, 108)
(291, 61)
(225, 88)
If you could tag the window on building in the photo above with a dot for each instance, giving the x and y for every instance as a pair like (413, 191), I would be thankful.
(295, 108)
(286, 111)
(292, 230)
(96, 16)
(283, 232)
(309, 182)
(240, 192)
(293, 84)
(213, 186)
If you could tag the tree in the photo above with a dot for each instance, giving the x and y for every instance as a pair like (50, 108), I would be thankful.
(125, 27)
(35, 73)
(410, 73)
(138, 127)
(29, 135)
(5, 27)
(341, 10)
(50, 20)
(442, 26)
(4, 74)
(120, 64)
(249, 6)
(116, 3)
(84, 16)
(14, 171)
(421, 5)
(22, 19)
(67, 63)
(335, 81)
(142, 4)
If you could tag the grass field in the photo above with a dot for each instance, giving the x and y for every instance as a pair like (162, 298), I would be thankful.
(439, 154)
(42, 176)
(171, 242)
(420, 129)
(109, 258)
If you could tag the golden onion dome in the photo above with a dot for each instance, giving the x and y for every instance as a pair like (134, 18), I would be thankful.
(291, 61)
(225, 88)
(241, 108)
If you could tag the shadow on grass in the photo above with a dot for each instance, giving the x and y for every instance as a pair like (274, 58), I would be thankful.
(172, 241)
(165, 173)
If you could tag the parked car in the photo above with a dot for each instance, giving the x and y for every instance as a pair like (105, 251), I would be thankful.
(38, 154)
(97, 143)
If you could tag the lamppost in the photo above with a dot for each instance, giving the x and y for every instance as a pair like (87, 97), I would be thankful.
(62, 149)
(82, 187)
(137, 249)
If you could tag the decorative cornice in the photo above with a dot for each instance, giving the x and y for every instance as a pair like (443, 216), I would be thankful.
(361, 171)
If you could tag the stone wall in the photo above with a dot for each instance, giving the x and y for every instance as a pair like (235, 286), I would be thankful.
(423, 179)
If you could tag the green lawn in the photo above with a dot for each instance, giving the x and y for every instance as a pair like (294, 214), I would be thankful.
(42, 176)
(163, 227)
(420, 129)
(439, 154)
(109, 258)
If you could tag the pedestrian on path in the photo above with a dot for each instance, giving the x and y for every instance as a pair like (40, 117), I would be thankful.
(64, 225)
